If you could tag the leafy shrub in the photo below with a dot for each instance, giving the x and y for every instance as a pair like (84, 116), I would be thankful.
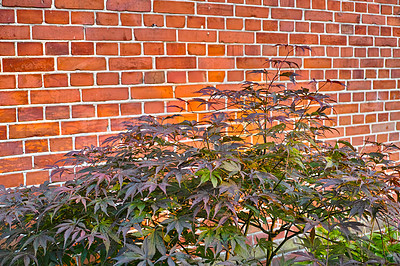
(193, 192)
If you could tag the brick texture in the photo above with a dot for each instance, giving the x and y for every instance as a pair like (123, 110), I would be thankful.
(72, 71)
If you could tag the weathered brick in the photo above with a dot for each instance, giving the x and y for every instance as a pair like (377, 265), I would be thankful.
(27, 3)
(128, 63)
(108, 34)
(175, 62)
(81, 63)
(154, 34)
(15, 164)
(104, 94)
(13, 97)
(14, 32)
(57, 32)
(33, 130)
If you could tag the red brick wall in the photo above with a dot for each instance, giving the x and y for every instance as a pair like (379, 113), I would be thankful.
(74, 70)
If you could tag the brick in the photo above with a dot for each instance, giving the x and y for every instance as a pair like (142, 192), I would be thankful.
(215, 9)
(27, 3)
(154, 77)
(107, 110)
(108, 34)
(304, 38)
(197, 36)
(361, 40)
(57, 112)
(7, 48)
(11, 148)
(33, 130)
(216, 50)
(3, 132)
(187, 91)
(248, 11)
(153, 48)
(78, 4)
(393, 21)
(129, 5)
(82, 111)
(30, 48)
(176, 21)
(391, 106)
(29, 81)
(131, 78)
(131, 19)
(55, 80)
(251, 62)
(55, 96)
(173, 7)
(81, 63)
(234, 24)
(56, 17)
(30, 16)
(333, 40)
(215, 23)
(46, 161)
(30, 114)
(216, 63)
(392, 63)
(57, 32)
(7, 16)
(151, 20)
(86, 126)
(176, 49)
(103, 18)
(359, 85)
(82, 48)
(317, 63)
(153, 107)
(37, 145)
(345, 63)
(154, 34)
(318, 4)
(196, 22)
(14, 32)
(57, 48)
(105, 94)
(347, 17)
(252, 25)
(39, 177)
(373, 19)
(375, 63)
(84, 18)
(13, 97)
(236, 37)
(214, 76)
(318, 15)
(129, 63)
(60, 144)
(384, 84)
(386, 42)
(371, 107)
(107, 78)
(274, 38)
(15, 164)
(12, 180)
(107, 48)
(130, 49)
(154, 92)
(82, 79)
(131, 108)
(196, 49)
(7, 115)
(175, 62)
(282, 13)
(7, 82)
(383, 127)
(85, 141)
(357, 130)
(176, 77)
(197, 76)
(28, 64)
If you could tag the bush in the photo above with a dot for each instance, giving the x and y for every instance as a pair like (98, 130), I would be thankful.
(193, 193)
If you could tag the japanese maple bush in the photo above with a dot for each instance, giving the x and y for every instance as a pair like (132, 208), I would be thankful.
(168, 191)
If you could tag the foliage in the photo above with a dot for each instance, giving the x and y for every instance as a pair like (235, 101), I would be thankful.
(194, 192)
